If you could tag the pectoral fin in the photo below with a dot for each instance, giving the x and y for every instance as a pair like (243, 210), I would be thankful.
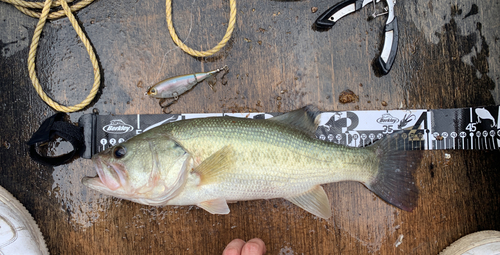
(216, 165)
(314, 201)
(215, 206)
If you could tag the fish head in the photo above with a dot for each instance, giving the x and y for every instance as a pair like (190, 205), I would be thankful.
(144, 170)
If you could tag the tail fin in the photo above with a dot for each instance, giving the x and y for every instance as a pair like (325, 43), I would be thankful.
(394, 180)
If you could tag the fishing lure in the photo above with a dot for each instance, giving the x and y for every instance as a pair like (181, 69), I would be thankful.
(176, 86)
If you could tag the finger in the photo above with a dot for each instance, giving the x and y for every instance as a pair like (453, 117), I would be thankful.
(254, 247)
(234, 247)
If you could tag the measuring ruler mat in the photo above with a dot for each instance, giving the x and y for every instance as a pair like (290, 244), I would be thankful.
(463, 129)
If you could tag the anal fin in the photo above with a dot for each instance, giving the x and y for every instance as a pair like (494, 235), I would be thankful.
(215, 206)
(314, 201)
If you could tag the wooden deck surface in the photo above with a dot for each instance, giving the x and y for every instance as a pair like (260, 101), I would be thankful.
(448, 57)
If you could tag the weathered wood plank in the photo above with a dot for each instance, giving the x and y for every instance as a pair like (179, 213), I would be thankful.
(446, 58)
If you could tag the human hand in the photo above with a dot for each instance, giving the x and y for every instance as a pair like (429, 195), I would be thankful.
(238, 247)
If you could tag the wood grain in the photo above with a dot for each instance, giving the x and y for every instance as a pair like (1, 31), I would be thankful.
(446, 58)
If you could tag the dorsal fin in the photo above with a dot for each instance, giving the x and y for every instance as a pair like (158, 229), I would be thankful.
(305, 119)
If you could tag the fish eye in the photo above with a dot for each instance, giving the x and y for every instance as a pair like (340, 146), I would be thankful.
(119, 152)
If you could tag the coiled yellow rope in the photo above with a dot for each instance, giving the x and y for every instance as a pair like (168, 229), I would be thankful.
(43, 16)
(222, 43)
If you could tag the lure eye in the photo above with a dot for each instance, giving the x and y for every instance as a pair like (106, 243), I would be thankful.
(119, 152)
(152, 91)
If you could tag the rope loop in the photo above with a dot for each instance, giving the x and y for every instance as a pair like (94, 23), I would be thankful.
(187, 49)
(43, 15)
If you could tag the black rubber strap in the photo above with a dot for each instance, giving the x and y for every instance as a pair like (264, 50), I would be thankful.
(55, 125)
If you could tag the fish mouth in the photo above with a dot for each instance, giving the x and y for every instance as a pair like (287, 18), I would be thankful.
(109, 175)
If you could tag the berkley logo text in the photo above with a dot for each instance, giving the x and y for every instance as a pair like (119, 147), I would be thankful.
(387, 119)
(117, 127)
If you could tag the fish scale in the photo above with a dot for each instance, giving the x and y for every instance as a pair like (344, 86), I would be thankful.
(289, 156)
(210, 161)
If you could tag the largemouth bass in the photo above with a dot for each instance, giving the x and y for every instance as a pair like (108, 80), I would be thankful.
(212, 161)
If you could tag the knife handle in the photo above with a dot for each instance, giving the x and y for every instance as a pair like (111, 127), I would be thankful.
(336, 12)
(384, 62)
